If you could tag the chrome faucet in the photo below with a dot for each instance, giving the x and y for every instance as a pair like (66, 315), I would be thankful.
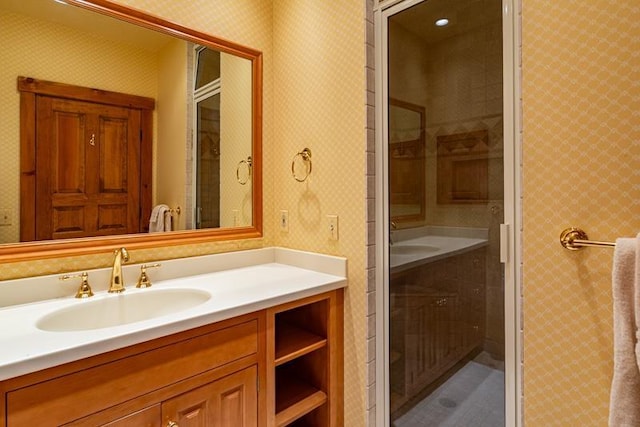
(117, 281)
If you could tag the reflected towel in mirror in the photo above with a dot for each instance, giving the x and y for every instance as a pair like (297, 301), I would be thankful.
(160, 219)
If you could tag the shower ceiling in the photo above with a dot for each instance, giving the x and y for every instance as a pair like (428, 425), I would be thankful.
(463, 16)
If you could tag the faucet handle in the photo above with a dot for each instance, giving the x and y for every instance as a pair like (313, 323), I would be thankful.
(143, 280)
(84, 291)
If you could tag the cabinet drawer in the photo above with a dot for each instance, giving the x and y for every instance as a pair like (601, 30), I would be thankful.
(148, 417)
(69, 397)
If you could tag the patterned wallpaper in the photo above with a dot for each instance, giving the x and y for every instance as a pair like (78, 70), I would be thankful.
(581, 143)
(319, 101)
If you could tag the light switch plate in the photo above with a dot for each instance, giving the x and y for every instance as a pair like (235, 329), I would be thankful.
(332, 227)
(5, 217)
(284, 221)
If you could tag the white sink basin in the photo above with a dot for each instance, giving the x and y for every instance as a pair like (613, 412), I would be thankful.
(121, 309)
(400, 249)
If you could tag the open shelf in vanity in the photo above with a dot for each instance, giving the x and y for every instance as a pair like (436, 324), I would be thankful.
(306, 362)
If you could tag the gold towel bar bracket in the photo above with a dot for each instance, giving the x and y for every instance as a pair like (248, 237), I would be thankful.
(575, 239)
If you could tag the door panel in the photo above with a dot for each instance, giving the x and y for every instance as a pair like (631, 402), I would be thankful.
(67, 152)
(88, 169)
(113, 138)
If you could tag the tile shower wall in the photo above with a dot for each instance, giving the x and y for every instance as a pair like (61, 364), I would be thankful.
(581, 148)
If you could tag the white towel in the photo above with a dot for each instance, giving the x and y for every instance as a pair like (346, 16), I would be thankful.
(160, 219)
(624, 407)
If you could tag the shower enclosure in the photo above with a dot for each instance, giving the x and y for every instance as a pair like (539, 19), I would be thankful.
(444, 147)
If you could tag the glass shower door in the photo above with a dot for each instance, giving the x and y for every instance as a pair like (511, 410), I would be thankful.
(208, 162)
(445, 144)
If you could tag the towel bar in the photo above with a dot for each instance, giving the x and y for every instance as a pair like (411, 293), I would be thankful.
(575, 239)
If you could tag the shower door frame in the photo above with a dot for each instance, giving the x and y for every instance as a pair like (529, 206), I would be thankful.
(510, 241)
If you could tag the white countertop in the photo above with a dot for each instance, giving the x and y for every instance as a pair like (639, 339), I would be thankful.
(275, 276)
(437, 247)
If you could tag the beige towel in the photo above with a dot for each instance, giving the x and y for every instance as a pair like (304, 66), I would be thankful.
(637, 301)
(160, 219)
(624, 408)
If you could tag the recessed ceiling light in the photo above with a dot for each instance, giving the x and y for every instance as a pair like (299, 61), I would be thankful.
(442, 22)
(60, 1)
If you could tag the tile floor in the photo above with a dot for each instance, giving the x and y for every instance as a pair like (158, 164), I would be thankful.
(473, 396)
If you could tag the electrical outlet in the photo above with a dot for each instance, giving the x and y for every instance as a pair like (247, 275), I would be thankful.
(236, 217)
(332, 227)
(5, 217)
(284, 221)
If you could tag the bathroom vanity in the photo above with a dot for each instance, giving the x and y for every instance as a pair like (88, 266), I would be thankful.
(437, 309)
(264, 350)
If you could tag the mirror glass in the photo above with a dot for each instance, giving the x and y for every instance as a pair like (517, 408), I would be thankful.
(203, 164)
(406, 161)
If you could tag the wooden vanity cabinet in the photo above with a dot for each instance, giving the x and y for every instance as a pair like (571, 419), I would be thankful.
(206, 376)
(277, 366)
(438, 315)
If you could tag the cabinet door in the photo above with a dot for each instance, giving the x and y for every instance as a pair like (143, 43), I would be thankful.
(231, 401)
(447, 330)
(433, 337)
(419, 338)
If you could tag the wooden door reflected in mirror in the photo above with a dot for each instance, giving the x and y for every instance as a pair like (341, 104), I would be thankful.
(83, 155)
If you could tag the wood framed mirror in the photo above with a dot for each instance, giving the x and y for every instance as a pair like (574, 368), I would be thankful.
(406, 161)
(243, 220)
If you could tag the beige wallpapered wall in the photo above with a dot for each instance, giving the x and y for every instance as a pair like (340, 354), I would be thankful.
(313, 91)
(168, 154)
(319, 102)
(581, 140)
(235, 114)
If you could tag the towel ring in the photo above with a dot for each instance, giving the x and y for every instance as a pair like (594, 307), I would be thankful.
(248, 174)
(305, 157)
